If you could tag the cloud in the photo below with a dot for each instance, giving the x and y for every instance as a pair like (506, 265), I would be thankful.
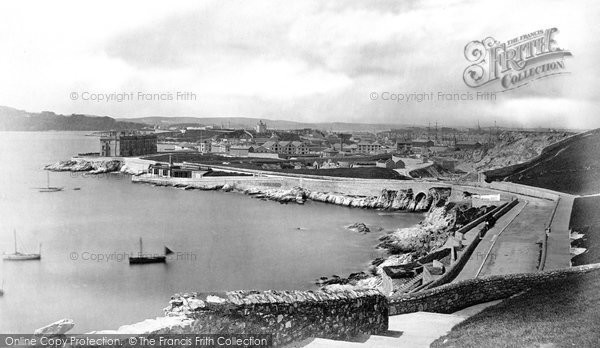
(306, 60)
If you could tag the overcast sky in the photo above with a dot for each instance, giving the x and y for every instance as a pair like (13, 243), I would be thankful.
(295, 60)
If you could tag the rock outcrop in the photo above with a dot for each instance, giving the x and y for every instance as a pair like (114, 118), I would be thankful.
(82, 165)
(57, 328)
(432, 232)
(359, 227)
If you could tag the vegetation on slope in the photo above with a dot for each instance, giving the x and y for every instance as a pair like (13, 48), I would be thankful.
(572, 167)
(560, 314)
(585, 219)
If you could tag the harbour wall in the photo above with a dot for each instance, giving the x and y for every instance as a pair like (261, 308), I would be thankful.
(345, 186)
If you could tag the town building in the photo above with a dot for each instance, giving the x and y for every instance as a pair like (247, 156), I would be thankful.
(287, 147)
(204, 146)
(272, 146)
(241, 150)
(391, 163)
(261, 127)
(127, 143)
(185, 170)
(422, 143)
(220, 147)
(368, 147)
(403, 145)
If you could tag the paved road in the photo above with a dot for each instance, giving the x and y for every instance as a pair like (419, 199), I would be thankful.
(511, 245)
(516, 249)
(559, 242)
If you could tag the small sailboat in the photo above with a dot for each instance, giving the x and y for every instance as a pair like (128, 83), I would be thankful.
(2, 288)
(49, 188)
(19, 256)
(141, 259)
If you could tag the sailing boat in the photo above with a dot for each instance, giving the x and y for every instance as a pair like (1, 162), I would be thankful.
(141, 259)
(18, 256)
(2, 288)
(49, 188)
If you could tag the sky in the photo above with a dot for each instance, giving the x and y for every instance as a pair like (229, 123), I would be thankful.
(305, 60)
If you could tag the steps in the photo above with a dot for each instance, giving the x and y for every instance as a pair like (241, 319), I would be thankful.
(418, 329)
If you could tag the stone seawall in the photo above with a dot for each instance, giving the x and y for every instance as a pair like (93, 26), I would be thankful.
(374, 194)
(455, 296)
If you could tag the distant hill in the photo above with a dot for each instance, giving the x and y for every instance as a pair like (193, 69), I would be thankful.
(571, 165)
(18, 120)
(249, 122)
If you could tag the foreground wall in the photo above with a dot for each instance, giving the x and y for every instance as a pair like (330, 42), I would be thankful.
(289, 316)
(455, 296)
(292, 316)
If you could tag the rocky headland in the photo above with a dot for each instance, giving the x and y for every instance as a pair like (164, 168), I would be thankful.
(97, 166)
(82, 165)
(433, 232)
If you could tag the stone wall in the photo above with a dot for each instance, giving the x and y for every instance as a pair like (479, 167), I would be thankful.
(455, 296)
(290, 316)
(347, 186)
(454, 270)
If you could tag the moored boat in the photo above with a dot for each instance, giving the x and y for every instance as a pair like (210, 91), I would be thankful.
(19, 256)
(144, 259)
(49, 188)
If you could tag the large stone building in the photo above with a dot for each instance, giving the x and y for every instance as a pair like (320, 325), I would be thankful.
(261, 127)
(368, 147)
(127, 143)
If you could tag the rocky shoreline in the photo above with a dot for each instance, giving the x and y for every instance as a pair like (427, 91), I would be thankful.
(92, 166)
(403, 246)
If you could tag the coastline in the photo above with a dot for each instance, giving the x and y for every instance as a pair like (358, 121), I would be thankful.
(403, 246)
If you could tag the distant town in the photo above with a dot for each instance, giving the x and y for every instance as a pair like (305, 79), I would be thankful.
(411, 152)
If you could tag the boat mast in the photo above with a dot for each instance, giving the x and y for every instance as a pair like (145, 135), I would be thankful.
(15, 238)
(141, 253)
(47, 179)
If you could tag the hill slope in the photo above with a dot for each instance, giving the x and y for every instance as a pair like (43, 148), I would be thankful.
(18, 120)
(572, 166)
(249, 122)
(560, 314)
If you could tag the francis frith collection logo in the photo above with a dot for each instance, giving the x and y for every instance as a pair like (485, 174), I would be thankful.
(516, 62)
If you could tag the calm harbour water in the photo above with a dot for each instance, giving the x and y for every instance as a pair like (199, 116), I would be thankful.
(225, 241)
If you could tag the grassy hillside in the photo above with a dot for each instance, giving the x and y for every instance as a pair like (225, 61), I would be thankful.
(561, 314)
(585, 218)
(572, 167)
